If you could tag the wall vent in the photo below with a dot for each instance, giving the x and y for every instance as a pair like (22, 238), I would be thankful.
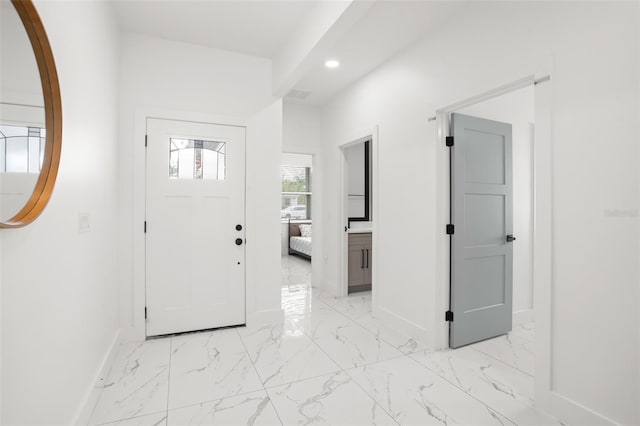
(298, 94)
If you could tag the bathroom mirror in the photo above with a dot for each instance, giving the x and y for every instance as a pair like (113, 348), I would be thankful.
(359, 181)
(30, 115)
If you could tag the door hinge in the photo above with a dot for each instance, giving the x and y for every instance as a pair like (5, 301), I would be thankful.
(145, 312)
(450, 229)
(448, 316)
(145, 226)
(449, 141)
(145, 141)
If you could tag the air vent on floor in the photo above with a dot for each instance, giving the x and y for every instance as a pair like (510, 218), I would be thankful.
(298, 94)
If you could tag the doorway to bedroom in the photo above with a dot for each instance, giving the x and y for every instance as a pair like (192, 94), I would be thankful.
(296, 215)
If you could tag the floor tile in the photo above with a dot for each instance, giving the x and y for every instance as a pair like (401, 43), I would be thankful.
(299, 304)
(526, 331)
(292, 372)
(329, 400)
(398, 339)
(353, 306)
(137, 383)
(417, 396)
(503, 388)
(281, 356)
(210, 366)
(158, 419)
(249, 409)
(349, 344)
(511, 349)
(295, 270)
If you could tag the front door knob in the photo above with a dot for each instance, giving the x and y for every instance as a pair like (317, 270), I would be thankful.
(510, 238)
(238, 241)
(238, 227)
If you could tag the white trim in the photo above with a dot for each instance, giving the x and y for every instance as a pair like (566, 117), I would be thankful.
(575, 414)
(443, 244)
(343, 285)
(269, 316)
(408, 327)
(543, 237)
(490, 94)
(441, 300)
(137, 330)
(523, 316)
(542, 230)
(343, 277)
(88, 403)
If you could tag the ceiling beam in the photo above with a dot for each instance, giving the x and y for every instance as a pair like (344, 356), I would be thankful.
(313, 40)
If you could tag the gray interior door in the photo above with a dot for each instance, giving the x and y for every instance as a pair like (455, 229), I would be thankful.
(481, 245)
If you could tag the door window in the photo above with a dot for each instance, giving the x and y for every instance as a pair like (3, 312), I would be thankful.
(197, 159)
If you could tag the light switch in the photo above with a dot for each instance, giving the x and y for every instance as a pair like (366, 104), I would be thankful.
(83, 223)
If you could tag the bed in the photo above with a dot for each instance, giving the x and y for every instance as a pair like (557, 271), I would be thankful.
(299, 244)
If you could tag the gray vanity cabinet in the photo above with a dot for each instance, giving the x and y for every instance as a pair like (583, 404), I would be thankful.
(360, 262)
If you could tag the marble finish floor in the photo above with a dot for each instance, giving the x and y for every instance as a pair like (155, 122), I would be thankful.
(329, 362)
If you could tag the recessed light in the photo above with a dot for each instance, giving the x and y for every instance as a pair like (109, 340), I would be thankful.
(332, 63)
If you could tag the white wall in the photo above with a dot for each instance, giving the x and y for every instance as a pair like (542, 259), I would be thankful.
(302, 134)
(188, 79)
(19, 77)
(264, 151)
(593, 48)
(517, 108)
(15, 190)
(59, 288)
(301, 128)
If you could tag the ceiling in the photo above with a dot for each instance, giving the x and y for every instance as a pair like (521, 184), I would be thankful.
(262, 27)
(388, 28)
(257, 28)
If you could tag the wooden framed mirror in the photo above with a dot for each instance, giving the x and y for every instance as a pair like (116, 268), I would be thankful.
(30, 115)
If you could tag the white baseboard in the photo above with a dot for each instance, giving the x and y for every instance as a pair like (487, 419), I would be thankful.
(573, 413)
(523, 316)
(132, 334)
(87, 404)
(328, 289)
(268, 316)
(406, 326)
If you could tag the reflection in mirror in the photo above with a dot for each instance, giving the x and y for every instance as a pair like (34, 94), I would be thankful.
(22, 115)
(359, 181)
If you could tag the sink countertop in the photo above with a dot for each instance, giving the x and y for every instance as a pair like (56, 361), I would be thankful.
(360, 231)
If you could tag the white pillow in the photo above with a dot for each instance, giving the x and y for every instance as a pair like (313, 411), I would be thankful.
(305, 230)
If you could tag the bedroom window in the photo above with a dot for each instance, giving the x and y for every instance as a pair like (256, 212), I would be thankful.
(296, 193)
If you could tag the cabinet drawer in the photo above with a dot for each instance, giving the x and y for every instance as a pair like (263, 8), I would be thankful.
(364, 239)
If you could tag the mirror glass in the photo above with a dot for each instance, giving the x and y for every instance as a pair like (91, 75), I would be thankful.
(30, 115)
(22, 115)
(359, 182)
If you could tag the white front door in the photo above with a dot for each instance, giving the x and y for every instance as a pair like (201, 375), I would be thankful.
(195, 211)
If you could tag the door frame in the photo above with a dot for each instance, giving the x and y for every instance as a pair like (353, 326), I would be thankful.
(136, 330)
(542, 220)
(342, 290)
